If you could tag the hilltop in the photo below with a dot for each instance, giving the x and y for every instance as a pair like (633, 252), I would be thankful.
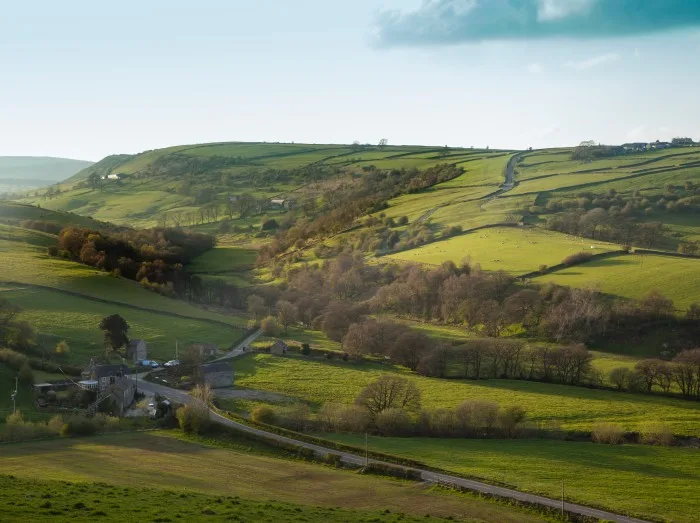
(18, 173)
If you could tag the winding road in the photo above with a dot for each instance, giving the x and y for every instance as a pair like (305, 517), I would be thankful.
(183, 397)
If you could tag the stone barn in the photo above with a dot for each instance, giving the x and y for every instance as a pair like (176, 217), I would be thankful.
(279, 348)
(136, 351)
(217, 375)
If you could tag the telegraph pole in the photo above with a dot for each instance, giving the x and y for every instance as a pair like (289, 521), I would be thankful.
(14, 397)
(366, 451)
(562, 498)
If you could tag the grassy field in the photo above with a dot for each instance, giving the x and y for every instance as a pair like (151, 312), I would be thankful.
(514, 250)
(224, 259)
(58, 316)
(141, 202)
(64, 300)
(646, 481)
(316, 381)
(171, 469)
(634, 276)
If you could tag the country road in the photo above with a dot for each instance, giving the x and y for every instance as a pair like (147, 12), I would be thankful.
(427, 475)
(241, 347)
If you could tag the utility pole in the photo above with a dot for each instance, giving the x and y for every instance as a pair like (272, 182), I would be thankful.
(176, 357)
(14, 398)
(562, 498)
(366, 451)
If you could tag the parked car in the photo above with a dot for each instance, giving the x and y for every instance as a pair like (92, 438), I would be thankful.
(172, 363)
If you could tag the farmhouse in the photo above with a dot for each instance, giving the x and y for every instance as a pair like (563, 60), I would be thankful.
(205, 350)
(137, 350)
(217, 375)
(634, 147)
(281, 202)
(118, 176)
(659, 145)
(110, 380)
(279, 348)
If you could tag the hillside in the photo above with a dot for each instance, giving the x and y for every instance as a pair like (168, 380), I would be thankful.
(19, 173)
(176, 183)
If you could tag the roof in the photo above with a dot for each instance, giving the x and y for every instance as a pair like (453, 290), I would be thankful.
(102, 371)
(219, 366)
(280, 343)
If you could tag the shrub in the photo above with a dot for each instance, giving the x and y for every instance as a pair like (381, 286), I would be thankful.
(13, 359)
(333, 459)
(79, 426)
(52, 250)
(352, 418)
(62, 348)
(393, 422)
(193, 420)
(607, 433)
(26, 376)
(575, 259)
(477, 414)
(510, 417)
(295, 417)
(269, 326)
(55, 424)
(620, 377)
(263, 414)
(656, 433)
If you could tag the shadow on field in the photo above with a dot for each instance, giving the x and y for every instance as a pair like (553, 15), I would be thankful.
(639, 459)
(143, 441)
(549, 389)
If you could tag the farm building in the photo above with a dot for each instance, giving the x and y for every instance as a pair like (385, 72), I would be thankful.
(205, 350)
(217, 375)
(279, 347)
(111, 380)
(136, 350)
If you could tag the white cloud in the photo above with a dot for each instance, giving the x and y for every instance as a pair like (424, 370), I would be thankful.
(558, 9)
(593, 62)
(535, 68)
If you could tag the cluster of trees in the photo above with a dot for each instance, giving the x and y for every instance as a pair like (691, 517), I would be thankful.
(618, 218)
(608, 225)
(432, 176)
(341, 206)
(658, 375)
(391, 406)
(14, 333)
(338, 296)
(154, 257)
(589, 151)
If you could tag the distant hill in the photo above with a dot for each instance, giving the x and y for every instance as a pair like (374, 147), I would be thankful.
(43, 168)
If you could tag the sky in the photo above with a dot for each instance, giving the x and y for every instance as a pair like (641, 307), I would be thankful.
(85, 79)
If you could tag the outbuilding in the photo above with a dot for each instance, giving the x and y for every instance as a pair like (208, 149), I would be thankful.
(217, 375)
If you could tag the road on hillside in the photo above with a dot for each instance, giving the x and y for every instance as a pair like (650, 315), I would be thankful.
(427, 475)
(241, 347)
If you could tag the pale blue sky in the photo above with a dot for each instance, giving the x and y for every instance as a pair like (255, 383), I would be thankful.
(85, 79)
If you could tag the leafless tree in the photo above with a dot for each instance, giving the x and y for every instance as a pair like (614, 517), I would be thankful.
(389, 392)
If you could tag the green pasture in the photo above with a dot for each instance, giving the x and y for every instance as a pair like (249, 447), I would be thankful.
(24, 261)
(641, 480)
(573, 408)
(18, 211)
(633, 276)
(58, 316)
(221, 259)
(515, 250)
(100, 474)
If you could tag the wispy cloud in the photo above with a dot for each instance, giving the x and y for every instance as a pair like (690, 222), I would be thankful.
(596, 61)
(535, 68)
(443, 22)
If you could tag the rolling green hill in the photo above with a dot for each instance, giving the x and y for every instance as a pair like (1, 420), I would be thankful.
(181, 180)
(65, 300)
(33, 168)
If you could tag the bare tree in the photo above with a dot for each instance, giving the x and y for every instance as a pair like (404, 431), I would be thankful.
(286, 313)
(383, 143)
(389, 392)
(256, 306)
(409, 349)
